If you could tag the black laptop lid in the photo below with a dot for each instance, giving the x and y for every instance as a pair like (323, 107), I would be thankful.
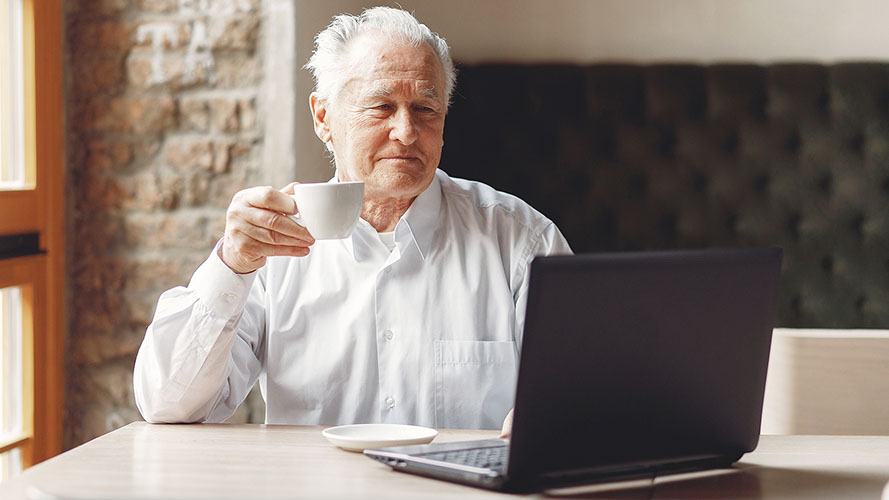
(643, 356)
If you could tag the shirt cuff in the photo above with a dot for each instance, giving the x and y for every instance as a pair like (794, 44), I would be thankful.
(223, 291)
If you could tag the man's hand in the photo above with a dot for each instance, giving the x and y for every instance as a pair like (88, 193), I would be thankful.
(256, 228)
(506, 430)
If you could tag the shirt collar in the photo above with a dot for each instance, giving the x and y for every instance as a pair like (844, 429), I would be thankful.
(424, 216)
(421, 221)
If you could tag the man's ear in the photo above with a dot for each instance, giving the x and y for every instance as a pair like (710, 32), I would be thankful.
(320, 117)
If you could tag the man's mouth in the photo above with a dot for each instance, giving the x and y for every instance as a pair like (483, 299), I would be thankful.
(400, 158)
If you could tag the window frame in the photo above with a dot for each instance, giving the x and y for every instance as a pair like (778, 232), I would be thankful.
(39, 207)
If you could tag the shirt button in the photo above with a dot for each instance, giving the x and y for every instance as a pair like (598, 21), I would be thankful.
(388, 334)
(390, 402)
(230, 297)
(388, 270)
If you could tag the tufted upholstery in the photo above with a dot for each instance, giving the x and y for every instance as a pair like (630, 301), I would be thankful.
(628, 157)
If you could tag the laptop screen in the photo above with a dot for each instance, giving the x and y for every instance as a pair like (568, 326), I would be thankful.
(643, 357)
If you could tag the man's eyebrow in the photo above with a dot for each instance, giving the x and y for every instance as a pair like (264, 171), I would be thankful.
(384, 92)
(430, 92)
(380, 92)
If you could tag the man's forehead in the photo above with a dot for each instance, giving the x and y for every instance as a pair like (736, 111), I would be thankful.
(380, 56)
(386, 88)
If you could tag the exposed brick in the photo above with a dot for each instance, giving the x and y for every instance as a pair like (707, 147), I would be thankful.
(153, 165)
(197, 189)
(188, 155)
(247, 113)
(115, 35)
(217, 7)
(216, 225)
(194, 114)
(223, 187)
(85, 8)
(121, 153)
(142, 75)
(103, 156)
(98, 74)
(99, 158)
(236, 71)
(97, 233)
(138, 115)
(101, 192)
(172, 34)
(157, 273)
(225, 114)
(145, 149)
(157, 6)
(151, 191)
(234, 32)
(168, 231)
(221, 157)
(241, 149)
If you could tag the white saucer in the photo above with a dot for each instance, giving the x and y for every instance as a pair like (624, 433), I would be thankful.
(361, 437)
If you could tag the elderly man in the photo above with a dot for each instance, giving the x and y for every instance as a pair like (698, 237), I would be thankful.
(415, 318)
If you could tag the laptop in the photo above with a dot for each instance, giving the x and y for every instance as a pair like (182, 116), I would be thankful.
(632, 365)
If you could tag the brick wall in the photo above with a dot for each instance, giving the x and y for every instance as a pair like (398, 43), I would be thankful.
(163, 126)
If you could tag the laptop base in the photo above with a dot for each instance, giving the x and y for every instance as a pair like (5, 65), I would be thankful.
(410, 459)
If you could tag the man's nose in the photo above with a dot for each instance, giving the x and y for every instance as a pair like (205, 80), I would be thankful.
(403, 128)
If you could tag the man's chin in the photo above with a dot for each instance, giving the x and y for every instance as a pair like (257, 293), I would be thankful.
(403, 184)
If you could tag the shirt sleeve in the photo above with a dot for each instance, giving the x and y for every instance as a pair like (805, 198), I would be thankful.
(201, 353)
(549, 242)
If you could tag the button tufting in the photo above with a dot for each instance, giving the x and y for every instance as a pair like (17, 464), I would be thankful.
(825, 183)
(760, 183)
(699, 183)
(676, 157)
(827, 264)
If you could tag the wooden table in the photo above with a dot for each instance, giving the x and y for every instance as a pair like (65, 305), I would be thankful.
(257, 461)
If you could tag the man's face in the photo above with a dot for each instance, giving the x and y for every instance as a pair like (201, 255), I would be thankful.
(387, 122)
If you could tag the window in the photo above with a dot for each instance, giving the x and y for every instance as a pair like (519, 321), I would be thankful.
(31, 233)
(11, 386)
(12, 164)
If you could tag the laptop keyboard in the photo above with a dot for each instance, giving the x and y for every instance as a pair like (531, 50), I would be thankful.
(493, 458)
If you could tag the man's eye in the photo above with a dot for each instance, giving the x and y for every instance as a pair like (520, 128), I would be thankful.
(425, 109)
(383, 106)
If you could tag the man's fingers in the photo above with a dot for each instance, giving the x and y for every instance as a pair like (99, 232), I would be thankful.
(285, 250)
(267, 198)
(259, 248)
(288, 189)
(270, 237)
(271, 221)
(506, 431)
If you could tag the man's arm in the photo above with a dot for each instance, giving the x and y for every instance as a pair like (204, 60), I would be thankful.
(199, 357)
(201, 353)
(551, 242)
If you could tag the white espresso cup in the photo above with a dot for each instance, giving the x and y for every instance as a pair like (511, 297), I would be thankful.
(329, 210)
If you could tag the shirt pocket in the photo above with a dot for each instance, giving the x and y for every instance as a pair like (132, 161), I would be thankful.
(474, 383)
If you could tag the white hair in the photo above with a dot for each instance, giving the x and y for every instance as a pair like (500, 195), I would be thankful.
(328, 66)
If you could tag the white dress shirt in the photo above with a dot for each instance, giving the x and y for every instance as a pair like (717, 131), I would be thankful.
(427, 333)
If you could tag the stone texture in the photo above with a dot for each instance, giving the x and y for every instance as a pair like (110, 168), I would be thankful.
(157, 6)
(236, 32)
(234, 72)
(113, 35)
(247, 113)
(194, 114)
(137, 115)
(98, 73)
(189, 155)
(225, 114)
(159, 139)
